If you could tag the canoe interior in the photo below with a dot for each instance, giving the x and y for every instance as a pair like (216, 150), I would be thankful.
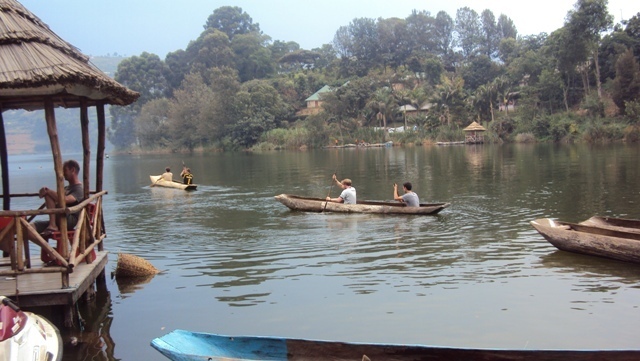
(185, 345)
(622, 224)
(583, 228)
(372, 203)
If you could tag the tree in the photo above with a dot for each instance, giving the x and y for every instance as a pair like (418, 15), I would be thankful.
(469, 31)
(626, 85)
(146, 75)
(259, 108)
(394, 42)
(421, 32)
(443, 33)
(152, 125)
(358, 46)
(232, 21)
(586, 22)
(506, 28)
(253, 60)
(490, 34)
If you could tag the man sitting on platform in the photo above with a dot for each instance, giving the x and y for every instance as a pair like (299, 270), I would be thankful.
(74, 194)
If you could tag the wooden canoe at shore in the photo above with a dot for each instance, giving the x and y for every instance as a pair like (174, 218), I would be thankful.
(157, 182)
(308, 204)
(616, 224)
(595, 241)
(186, 346)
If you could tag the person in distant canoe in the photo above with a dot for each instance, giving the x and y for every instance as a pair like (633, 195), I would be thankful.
(187, 177)
(348, 195)
(167, 175)
(409, 198)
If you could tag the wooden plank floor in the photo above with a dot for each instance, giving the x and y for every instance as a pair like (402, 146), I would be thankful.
(45, 289)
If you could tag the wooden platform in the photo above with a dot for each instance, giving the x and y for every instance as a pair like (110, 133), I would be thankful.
(45, 289)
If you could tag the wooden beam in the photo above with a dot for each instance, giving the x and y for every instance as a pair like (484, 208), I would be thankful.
(4, 160)
(52, 130)
(86, 147)
(101, 146)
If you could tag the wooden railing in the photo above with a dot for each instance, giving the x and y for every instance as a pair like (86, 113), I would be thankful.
(87, 235)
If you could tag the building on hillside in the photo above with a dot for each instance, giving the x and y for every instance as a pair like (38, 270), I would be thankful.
(314, 102)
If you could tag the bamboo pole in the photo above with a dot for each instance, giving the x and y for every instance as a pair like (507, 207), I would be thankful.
(52, 130)
(19, 247)
(76, 237)
(4, 165)
(101, 146)
(86, 148)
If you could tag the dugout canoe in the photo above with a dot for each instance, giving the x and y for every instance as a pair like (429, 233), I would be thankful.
(157, 182)
(308, 204)
(618, 224)
(181, 345)
(590, 240)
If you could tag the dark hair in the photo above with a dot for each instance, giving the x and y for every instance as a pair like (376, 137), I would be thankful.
(167, 169)
(72, 164)
(407, 185)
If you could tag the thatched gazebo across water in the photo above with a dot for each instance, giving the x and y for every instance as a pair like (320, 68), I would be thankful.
(39, 70)
(473, 133)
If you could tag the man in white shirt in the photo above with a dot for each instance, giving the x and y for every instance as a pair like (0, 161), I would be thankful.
(348, 195)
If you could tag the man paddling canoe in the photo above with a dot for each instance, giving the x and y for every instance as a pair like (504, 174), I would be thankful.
(348, 195)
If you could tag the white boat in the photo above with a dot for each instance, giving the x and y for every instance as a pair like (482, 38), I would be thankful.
(25, 336)
(157, 181)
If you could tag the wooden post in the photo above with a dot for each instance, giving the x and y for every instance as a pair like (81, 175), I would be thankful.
(86, 148)
(101, 145)
(4, 159)
(52, 129)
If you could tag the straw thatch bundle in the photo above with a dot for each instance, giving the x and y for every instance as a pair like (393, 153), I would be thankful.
(134, 266)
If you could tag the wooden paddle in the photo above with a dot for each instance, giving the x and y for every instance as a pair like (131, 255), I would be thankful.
(329, 194)
(156, 182)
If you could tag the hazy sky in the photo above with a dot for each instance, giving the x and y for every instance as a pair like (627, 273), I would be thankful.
(129, 27)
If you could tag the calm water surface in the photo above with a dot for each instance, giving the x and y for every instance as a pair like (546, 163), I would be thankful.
(477, 275)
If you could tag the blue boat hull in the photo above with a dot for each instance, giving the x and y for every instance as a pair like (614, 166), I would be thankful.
(181, 345)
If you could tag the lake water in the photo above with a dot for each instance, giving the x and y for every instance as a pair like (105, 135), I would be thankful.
(237, 262)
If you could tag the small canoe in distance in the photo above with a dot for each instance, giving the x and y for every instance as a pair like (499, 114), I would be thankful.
(186, 346)
(617, 224)
(595, 241)
(308, 204)
(157, 182)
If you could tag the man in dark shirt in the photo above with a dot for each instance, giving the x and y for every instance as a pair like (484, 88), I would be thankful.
(74, 194)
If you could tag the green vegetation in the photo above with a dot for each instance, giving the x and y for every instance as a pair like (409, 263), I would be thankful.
(235, 88)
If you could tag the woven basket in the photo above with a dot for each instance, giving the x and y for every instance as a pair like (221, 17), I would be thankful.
(134, 266)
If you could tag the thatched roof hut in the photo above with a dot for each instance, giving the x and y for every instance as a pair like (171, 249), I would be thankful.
(474, 127)
(472, 135)
(37, 63)
(39, 70)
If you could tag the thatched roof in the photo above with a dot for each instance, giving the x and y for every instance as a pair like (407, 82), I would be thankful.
(474, 127)
(36, 63)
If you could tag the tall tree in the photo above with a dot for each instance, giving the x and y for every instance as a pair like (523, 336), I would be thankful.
(586, 22)
(490, 34)
(506, 27)
(443, 33)
(469, 31)
(394, 42)
(146, 75)
(231, 20)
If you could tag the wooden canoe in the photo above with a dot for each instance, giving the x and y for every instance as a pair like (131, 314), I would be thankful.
(308, 204)
(617, 224)
(585, 239)
(157, 182)
(186, 346)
